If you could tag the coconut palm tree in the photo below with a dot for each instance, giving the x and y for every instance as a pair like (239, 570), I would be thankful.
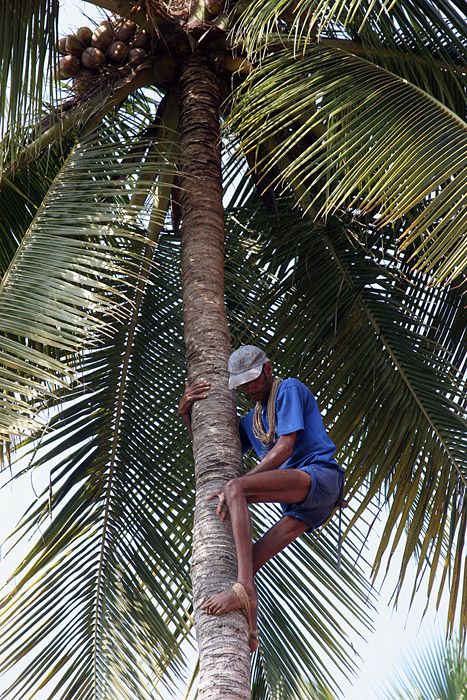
(344, 258)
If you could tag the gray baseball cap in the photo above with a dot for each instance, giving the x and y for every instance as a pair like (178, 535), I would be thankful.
(245, 365)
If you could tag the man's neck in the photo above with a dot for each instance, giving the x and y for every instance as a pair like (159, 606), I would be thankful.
(268, 388)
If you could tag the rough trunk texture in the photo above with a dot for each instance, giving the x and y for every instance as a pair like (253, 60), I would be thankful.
(224, 652)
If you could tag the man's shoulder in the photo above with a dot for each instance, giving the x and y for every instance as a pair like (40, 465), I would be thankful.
(293, 389)
(293, 383)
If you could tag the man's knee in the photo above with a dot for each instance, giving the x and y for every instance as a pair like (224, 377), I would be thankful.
(291, 528)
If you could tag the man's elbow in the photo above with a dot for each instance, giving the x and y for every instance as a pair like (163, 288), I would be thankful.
(287, 451)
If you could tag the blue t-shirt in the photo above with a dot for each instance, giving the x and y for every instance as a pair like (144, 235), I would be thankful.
(296, 411)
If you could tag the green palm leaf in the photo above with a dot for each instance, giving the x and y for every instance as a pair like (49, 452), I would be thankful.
(24, 190)
(437, 671)
(121, 535)
(84, 246)
(374, 156)
(21, 196)
(114, 561)
(427, 49)
(388, 371)
(423, 27)
(305, 606)
(29, 33)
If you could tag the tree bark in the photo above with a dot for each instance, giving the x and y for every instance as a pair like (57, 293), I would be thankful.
(222, 641)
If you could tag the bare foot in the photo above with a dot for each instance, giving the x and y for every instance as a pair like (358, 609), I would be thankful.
(228, 600)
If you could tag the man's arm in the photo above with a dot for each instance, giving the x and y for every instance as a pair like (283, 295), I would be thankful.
(193, 392)
(276, 456)
(280, 453)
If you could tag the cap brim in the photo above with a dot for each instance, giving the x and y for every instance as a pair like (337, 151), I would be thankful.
(243, 377)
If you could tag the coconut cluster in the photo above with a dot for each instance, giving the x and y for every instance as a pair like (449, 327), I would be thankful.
(114, 47)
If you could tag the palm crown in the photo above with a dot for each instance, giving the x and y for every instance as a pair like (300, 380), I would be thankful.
(345, 259)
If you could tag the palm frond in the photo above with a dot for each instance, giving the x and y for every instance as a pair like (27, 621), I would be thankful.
(82, 114)
(310, 612)
(21, 196)
(375, 154)
(437, 68)
(425, 28)
(29, 33)
(111, 570)
(373, 344)
(437, 670)
(437, 26)
(84, 245)
(22, 193)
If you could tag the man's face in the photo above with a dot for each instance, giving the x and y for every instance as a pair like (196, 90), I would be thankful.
(260, 388)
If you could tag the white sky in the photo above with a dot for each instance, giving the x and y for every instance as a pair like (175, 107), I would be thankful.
(396, 632)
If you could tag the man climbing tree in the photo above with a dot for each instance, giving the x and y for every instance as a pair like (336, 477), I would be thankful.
(296, 469)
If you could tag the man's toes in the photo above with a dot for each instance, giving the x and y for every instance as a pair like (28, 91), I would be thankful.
(212, 610)
(210, 607)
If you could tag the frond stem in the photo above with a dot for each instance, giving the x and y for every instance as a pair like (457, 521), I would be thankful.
(124, 8)
(64, 125)
(163, 201)
(393, 357)
(358, 49)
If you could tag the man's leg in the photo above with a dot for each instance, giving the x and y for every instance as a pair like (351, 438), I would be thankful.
(277, 486)
(277, 538)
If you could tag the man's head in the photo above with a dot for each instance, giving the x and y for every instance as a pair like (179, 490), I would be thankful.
(250, 370)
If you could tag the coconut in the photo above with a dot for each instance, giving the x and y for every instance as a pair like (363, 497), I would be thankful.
(69, 66)
(125, 31)
(84, 34)
(102, 36)
(117, 51)
(141, 40)
(93, 58)
(73, 45)
(61, 46)
(136, 57)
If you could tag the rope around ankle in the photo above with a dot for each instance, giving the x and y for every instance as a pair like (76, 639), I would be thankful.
(258, 429)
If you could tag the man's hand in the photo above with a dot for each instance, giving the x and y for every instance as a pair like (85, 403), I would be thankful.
(193, 392)
(222, 508)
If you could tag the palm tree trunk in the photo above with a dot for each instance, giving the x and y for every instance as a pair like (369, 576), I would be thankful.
(224, 652)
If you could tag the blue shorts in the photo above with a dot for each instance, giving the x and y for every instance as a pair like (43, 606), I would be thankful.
(325, 489)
